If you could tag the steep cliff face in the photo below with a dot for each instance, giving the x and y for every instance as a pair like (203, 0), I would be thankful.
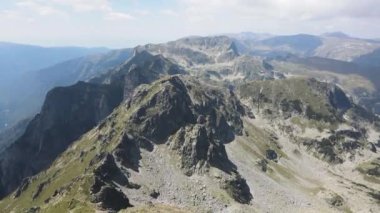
(66, 114)
(25, 94)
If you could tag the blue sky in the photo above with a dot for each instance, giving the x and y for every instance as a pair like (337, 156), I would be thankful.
(126, 23)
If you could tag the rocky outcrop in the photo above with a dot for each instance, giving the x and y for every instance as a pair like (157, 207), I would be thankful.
(104, 190)
(108, 171)
(335, 147)
(271, 154)
(162, 110)
(108, 197)
(128, 151)
(238, 189)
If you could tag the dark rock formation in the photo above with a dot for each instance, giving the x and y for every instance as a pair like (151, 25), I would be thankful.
(128, 150)
(110, 198)
(164, 112)
(39, 189)
(103, 190)
(334, 148)
(336, 201)
(23, 186)
(109, 171)
(238, 189)
(271, 155)
(154, 194)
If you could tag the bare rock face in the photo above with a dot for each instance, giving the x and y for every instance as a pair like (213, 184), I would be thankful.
(198, 150)
(128, 150)
(110, 172)
(110, 198)
(165, 110)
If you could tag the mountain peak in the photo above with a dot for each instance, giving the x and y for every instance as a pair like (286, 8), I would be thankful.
(337, 34)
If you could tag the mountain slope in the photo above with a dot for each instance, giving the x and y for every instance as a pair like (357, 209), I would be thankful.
(108, 156)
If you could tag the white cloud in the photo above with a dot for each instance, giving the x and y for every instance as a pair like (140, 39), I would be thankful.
(101, 21)
(169, 12)
(85, 5)
(55, 7)
(110, 15)
(140, 12)
(39, 8)
(288, 9)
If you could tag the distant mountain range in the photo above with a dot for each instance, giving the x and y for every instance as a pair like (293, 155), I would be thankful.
(29, 72)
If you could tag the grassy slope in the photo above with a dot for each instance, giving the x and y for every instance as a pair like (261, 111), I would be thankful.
(289, 89)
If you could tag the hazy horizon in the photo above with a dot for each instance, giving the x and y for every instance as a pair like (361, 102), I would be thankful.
(164, 41)
(117, 23)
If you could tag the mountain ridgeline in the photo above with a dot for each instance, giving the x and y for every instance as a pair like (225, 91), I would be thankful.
(219, 128)
(23, 96)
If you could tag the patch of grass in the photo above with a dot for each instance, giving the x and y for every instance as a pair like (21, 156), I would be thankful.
(320, 125)
(371, 169)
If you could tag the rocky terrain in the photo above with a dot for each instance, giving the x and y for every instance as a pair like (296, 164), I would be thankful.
(197, 125)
